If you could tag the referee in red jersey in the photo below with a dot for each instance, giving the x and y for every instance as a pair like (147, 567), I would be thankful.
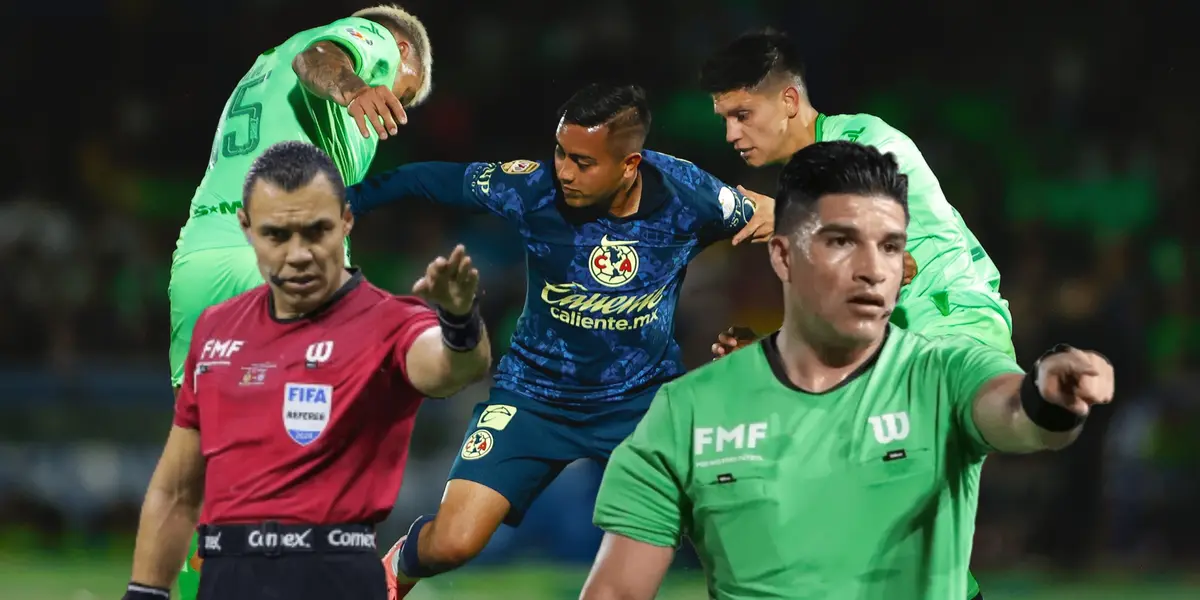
(293, 422)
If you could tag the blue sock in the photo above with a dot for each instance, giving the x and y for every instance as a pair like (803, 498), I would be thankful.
(410, 560)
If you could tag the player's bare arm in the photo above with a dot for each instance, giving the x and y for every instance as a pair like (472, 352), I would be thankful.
(449, 357)
(327, 72)
(170, 510)
(1045, 409)
(626, 569)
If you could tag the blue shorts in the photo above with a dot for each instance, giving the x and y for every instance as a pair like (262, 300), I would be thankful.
(517, 446)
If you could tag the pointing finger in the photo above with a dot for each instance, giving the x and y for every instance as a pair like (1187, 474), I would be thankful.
(1072, 363)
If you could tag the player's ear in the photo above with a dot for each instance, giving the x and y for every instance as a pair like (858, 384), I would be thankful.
(347, 218)
(791, 101)
(244, 221)
(781, 257)
(405, 49)
(630, 165)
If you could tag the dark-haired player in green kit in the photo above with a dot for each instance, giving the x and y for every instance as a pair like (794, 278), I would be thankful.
(951, 285)
(341, 87)
(837, 458)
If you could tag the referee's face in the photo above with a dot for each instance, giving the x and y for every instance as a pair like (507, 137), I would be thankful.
(843, 268)
(298, 239)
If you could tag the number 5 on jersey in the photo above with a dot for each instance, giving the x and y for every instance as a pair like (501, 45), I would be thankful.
(238, 107)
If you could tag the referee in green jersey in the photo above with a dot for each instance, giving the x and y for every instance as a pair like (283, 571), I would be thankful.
(840, 458)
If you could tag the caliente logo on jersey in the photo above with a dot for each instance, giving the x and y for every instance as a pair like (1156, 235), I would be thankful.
(306, 411)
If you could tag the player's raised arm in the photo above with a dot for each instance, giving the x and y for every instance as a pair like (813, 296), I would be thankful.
(639, 506)
(495, 187)
(353, 61)
(171, 508)
(1044, 409)
(327, 71)
(447, 358)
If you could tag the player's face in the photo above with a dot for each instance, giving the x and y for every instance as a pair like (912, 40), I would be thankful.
(756, 123)
(297, 237)
(589, 169)
(842, 270)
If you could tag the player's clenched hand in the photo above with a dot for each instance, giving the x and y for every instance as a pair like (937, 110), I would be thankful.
(731, 339)
(762, 225)
(379, 107)
(910, 269)
(450, 282)
(1075, 380)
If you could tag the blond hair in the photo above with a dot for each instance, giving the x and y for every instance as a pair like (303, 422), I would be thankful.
(399, 20)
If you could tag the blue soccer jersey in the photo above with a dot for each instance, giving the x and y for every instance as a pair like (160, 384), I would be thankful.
(602, 291)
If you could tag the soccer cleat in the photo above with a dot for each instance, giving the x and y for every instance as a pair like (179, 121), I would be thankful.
(391, 565)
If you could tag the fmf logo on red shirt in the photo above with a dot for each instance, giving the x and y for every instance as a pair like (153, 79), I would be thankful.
(220, 349)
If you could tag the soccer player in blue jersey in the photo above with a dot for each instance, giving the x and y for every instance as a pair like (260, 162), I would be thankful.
(608, 232)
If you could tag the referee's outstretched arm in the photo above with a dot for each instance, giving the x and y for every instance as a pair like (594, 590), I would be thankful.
(1045, 408)
(169, 512)
(456, 353)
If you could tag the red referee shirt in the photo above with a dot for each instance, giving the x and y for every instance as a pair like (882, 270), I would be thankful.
(305, 420)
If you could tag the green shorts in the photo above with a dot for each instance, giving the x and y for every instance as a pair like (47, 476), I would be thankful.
(983, 317)
(199, 280)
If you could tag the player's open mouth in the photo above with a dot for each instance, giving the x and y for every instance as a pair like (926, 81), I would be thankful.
(867, 303)
(744, 152)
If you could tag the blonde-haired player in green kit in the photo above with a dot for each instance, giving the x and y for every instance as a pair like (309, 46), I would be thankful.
(952, 287)
(838, 458)
(342, 87)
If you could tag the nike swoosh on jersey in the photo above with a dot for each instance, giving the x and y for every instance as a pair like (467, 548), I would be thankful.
(607, 243)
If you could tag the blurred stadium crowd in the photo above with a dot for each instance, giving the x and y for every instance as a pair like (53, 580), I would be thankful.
(1071, 153)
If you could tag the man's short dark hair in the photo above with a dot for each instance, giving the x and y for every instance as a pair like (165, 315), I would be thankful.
(622, 107)
(750, 60)
(838, 167)
(292, 165)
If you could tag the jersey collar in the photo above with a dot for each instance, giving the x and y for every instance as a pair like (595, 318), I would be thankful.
(356, 279)
(818, 127)
(770, 348)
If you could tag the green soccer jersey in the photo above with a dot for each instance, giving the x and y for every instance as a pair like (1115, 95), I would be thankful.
(269, 105)
(952, 267)
(866, 491)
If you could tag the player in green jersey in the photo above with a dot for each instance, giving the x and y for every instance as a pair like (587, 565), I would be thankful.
(838, 459)
(758, 88)
(951, 285)
(342, 87)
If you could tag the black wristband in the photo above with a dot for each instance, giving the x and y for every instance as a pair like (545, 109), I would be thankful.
(1047, 415)
(461, 333)
(137, 591)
